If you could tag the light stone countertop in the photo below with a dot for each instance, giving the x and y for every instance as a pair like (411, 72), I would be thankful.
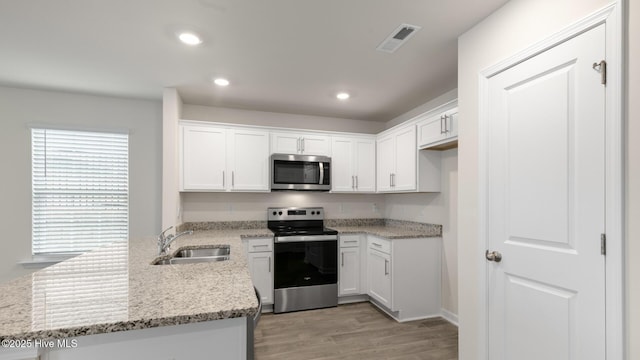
(389, 232)
(115, 288)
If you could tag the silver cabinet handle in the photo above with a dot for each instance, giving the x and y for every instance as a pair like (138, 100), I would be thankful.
(342, 259)
(222, 178)
(493, 256)
(356, 182)
(390, 179)
(446, 126)
(269, 263)
(441, 129)
(233, 181)
(393, 180)
(376, 244)
(386, 271)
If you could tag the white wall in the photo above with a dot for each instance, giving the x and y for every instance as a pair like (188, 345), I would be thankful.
(253, 206)
(436, 208)
(514, 27)
(429, 105)
(633, 181)
(19, 107)
(262, 118)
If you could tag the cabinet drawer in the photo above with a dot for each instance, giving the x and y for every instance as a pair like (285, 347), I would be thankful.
(260, 245)
(349, 241)
(380, 245)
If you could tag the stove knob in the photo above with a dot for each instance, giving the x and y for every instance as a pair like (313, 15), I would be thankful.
(274, 213)
(313, 213)
(318, 212)
(279, 212)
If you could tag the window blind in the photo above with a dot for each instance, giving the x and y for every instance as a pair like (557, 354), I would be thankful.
(80, 190)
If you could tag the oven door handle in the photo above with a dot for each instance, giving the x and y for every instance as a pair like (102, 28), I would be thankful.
(303, 238)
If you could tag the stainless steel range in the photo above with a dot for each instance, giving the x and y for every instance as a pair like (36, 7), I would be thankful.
(306, 259)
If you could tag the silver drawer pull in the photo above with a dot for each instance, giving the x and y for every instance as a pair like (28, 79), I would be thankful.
(376, 244)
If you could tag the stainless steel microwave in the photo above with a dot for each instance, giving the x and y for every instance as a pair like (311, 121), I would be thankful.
(300, 172)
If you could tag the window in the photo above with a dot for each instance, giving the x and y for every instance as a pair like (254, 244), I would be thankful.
(80, 190)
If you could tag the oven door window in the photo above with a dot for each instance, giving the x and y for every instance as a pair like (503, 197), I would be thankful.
(296, 172)
(305, 263)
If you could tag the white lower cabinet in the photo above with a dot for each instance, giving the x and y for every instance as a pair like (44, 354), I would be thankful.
(260, 259)
(349, 270)
(379, 276)
(403, 276)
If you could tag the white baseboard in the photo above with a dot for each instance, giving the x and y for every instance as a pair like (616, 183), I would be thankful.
(449, 316)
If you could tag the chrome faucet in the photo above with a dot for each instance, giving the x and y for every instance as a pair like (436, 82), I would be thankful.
(165, 241)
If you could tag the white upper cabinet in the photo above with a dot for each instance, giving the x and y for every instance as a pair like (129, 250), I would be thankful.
(203, 158)
(401, 167)
(248, 159)
(386, 150)
(438, 130)
(215, 158)
(397, 160)
(300, 143)
(353, 164)
(404, 178)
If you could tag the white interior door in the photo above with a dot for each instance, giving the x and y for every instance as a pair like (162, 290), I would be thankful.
(545, 205)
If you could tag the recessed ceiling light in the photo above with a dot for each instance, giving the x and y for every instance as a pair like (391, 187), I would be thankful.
(190, 38)
(221, 82)
(343, 96)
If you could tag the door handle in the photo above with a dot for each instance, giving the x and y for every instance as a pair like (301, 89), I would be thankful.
(446, 126)
(386, 272)
(493, 256)
(269, 263)
(441, 127)
(342, 259)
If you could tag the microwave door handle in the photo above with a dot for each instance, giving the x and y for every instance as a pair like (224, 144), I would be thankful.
(321, 164)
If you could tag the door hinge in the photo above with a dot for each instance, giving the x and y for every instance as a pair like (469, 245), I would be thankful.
(603, 244)
(601, 67)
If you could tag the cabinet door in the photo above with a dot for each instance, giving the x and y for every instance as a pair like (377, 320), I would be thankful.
(365, 165)
(314, 145)
(451, 123)
(248, 152)
(260, 267)
(431, 130)
(405, 158)
(379, 274)
(349, 275)
(342, 173)
(203, 158)
(385, 160)
(285, 143)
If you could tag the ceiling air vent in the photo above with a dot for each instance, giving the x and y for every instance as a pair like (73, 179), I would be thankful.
(398, 37)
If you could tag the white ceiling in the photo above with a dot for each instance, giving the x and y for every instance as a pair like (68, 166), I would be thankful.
(288, 56)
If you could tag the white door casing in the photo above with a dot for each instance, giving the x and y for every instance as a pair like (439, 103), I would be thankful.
(546, 205)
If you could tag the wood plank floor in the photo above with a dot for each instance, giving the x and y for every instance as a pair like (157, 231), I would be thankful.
(353, 331)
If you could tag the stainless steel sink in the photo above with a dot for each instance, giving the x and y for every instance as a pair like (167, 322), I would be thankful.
(203, 252)
(191, 256)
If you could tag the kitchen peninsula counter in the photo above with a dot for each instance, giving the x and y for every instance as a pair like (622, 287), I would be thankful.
(115, 288)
